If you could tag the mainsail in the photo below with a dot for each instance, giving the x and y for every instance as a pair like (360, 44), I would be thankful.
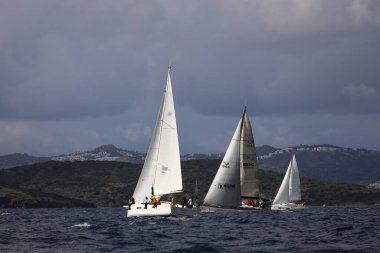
(162, 166)
(249, 170)
(294, 182)
(225, 188)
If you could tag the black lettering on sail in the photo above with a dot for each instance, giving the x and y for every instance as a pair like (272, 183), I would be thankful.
(226, 165)
(164, 169)
(229, 186)
(226, 186)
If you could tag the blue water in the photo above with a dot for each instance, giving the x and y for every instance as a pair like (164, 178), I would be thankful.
(330, 229)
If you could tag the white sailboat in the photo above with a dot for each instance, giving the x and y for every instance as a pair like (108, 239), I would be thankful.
(237, 178)
(161, 172)
(289, 194)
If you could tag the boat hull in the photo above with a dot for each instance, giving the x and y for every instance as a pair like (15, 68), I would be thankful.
(164, 210)
(210, 209)
(287, 206)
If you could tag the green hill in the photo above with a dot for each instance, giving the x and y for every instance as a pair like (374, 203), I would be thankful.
(110, 184)
(15, 197)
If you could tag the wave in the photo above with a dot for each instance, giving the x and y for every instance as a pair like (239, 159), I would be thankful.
(82, 225)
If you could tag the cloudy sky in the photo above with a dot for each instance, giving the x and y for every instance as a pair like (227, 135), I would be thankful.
(78, 74)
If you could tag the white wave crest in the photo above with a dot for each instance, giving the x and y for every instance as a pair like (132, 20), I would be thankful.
(82, 225)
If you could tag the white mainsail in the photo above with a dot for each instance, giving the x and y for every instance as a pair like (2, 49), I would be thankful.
(294, 182)
(225, 188)
(162, 166)
(290, 189)
(249, 170)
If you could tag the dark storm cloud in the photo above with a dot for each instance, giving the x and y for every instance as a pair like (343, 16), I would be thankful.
(62, 59)
(288, 61)
(70, 59)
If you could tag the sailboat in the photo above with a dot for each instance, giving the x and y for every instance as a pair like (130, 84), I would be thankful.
(161, 173)
(236, 184)
(289, 194)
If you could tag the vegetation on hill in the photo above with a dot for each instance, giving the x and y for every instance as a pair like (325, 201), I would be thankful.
(15, 197)
(110, 184)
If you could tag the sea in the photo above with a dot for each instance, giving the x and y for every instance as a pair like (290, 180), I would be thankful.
(315, 229)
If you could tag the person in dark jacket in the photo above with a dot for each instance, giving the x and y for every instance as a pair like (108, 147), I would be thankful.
(184, 202)
(146, 203)
(131, 201)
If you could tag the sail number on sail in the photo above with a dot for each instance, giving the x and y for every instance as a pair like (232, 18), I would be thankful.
(226, 165)
(226, 186)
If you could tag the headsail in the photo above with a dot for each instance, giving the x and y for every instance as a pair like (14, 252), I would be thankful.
(225, 188)
(249, 171)
(162, 166)
(283, 193)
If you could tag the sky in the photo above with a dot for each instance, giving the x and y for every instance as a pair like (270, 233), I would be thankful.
(78, 74)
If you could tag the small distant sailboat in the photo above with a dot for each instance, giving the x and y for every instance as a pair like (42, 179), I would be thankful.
(236, 184)
(161, 174)
(289, 194)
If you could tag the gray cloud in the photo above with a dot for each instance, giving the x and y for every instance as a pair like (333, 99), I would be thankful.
(78, 74)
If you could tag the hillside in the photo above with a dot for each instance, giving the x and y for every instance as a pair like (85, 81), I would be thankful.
(108, 183)
(12, 160)
(327, 163)
(15, 197)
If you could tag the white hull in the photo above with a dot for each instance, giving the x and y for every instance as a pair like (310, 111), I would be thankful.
(165, 209)
(287, 206)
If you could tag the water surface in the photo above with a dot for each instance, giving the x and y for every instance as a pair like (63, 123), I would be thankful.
(316, 229)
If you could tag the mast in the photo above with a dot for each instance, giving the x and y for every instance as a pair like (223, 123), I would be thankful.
(196, 188)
